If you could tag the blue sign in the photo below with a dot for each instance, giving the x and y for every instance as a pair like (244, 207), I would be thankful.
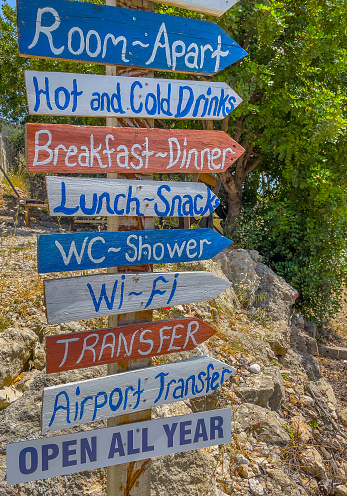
(96, 250)
(102, 34)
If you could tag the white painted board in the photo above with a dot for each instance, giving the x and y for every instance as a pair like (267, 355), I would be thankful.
(79, 196)
(68, 405)
(91, 449)
(62, 93)
(85, 297)
(212, 7)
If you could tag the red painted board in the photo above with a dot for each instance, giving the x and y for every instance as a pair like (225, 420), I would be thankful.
(87, 149)
(98, 347)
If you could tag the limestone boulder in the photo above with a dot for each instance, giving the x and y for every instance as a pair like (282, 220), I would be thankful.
(267, 424)
(16, 349)
(256, 285)
(342, 415)
(312, 463)
(265, 390)
(8, 396)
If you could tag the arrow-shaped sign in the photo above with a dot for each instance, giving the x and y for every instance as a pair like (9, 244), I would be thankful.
(212, 7)
(84, 297)
(90, 449)
(63, 93)
(101, 34)
(70, 196)
(99, 347)
(63, 149)
(80, 402)
(96, 250)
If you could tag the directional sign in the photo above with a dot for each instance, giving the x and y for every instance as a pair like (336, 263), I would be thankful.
(84, 297)
(62, 93)
(63, 149)
(70, 196)
(102, 34)
(96, 250)
(212, 7)
(81, 402)
(90, 449)
(98, 347)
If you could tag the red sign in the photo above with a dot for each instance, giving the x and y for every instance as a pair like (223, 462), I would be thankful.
(90, 348)
(87, 149)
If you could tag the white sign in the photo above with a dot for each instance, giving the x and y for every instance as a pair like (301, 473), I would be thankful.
(79, 196)
(91, 449)
(212, 7)
(80, 402)
(62, 93)
(86, 297)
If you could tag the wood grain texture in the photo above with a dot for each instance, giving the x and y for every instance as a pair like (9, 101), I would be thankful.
(62, 93)
(87, 197)
(101, 34)
(87, 401)
(96, 250)
(115, 445)
(103, 346)
(72, 149)
(75, 298)
(212, 7)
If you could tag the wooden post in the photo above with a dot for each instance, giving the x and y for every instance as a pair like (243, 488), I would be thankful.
(133, 479)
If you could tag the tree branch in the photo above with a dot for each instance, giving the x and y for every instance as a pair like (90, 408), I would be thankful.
(253, 165)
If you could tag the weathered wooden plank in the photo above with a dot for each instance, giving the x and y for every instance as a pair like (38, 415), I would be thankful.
(62, 93)
(96, 399)
(102, 34)
(99, 347)
(84, 251)
(91, 449)
(212, 7)
(65, 149)
(84, 297)
(77, 196)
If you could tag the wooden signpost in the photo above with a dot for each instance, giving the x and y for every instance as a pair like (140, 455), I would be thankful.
(83, 251)
(70, 196)
(86, 401)
(84, 297)
(101, 34)
(212, 7)
(99, 347)
(86, 149)
(90, 95)
(91, 449)
(134, 38)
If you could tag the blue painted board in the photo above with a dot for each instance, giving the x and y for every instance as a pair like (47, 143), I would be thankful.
(96, 250)
(102, 34)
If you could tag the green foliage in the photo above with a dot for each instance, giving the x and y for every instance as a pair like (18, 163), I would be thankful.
(294, 115)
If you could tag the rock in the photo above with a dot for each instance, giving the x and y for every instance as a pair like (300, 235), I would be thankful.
(298, 321)
(39, 357)
(278, 346)
(263, 390)
(255, 487)
(255, 284)
(324, 392)
(241, 460)
(312, 463)
(243, 470)
(8, 395)
(342, 415)
(16, 349)
(312, 346)
(255, 368)
(301, 430)
(184, 473)
(340, 491)
(310, 329)
(267, 424)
